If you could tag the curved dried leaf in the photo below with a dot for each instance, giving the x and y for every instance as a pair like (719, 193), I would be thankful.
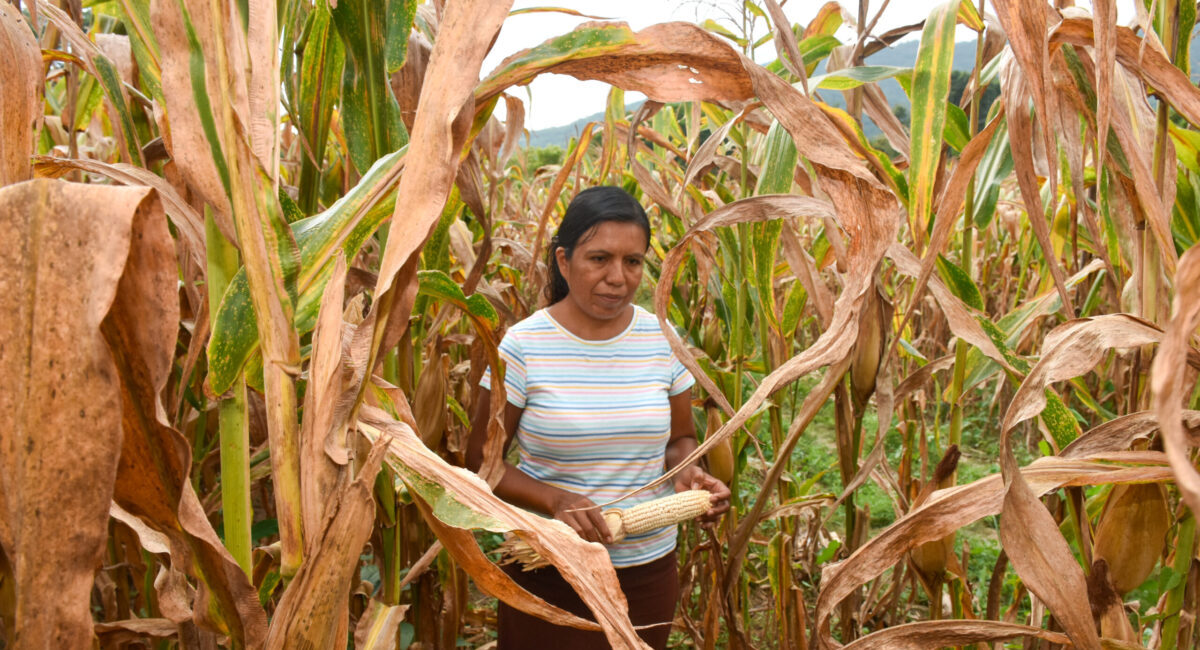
(153, 480)
(20, 95)
(950, 509)
(679, 62)
(189, 132)
(1072, 349)
(957, 314)
(1118, 434)
(1168, 372)
(1016, 91)
(1041, 556)
(461, 500)
(750, 210)
(323, 447)
(135, 628)
(466, 32)
(869, 215)
(69, 246)
(314, 611)
(188, 223)
(668, 62)
(928, 634)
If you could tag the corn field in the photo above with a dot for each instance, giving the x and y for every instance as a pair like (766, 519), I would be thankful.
(260, 254)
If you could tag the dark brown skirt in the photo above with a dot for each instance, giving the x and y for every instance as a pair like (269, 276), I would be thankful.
(651, 589)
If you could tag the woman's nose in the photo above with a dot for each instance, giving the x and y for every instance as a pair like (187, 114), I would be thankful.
(613, 275)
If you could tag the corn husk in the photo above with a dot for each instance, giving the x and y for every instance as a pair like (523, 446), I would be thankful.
(429, 403)
(1131, 533)
(868, 350)
(720, 457)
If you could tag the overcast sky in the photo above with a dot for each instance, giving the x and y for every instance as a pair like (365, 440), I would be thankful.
(560, 99)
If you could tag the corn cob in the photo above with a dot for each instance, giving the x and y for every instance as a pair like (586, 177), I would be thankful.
(641, 518)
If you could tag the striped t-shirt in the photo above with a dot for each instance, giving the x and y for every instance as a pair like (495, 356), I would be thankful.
(596, 419)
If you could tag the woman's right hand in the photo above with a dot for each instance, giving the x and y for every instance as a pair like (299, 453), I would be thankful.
(582, 515)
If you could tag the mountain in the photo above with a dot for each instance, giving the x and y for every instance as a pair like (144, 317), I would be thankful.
(901, 55)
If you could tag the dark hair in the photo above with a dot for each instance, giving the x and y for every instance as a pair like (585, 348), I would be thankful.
(587, 210)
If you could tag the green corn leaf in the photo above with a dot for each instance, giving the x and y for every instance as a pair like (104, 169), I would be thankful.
(370, 114)
(957, 131)
(778, 165)
(347, 224)
(135, 15)
(400, 17)
(440, 286)
(930, 90)
(110, 80)
(960, 283)
(320, 69)
(849, 78)
(996, 165)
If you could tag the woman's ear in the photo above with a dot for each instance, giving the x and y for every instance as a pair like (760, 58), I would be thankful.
(560, 258)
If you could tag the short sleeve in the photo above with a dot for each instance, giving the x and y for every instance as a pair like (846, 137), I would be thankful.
(514, 370)
(681, 379)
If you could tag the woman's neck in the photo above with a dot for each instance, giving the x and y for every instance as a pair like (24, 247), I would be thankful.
(585, 327)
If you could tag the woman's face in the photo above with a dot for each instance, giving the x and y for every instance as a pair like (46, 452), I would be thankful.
(605, 269)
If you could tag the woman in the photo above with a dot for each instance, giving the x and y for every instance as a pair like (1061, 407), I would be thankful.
(599, 406)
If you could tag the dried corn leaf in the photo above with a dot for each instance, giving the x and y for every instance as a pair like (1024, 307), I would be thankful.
(455, 502)
(1071, 350)
(948, 510)
(1168, 372)
(378, 626)
(60, 415)
(930, 634)
(20, 95)
(314, 611)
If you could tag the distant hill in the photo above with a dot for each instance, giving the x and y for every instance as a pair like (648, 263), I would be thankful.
(902, 55)
(561, 135)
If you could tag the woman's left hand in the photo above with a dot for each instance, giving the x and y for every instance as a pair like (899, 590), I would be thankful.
(694, 478)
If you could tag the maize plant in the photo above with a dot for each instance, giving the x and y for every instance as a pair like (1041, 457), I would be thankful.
(261, 253)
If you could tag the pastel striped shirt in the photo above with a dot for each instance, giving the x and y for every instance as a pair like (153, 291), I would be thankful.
(596, 415)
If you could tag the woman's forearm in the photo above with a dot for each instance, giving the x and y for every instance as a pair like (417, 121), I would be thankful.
(521, 489)
(678, 449)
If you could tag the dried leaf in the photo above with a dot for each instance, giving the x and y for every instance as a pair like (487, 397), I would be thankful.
(68, 249)
(188, 223)
(948, 510)
(454, 499)
(1167, 376)
(134, 629)
(377, 627)
(313, 612)
(753, 209)
(185, 135)
(1120, 433)
(20, 95)
(673, 62)
(323, 448)
(929, 634)
(465, 32)
(1016, 91)
(1072, 349)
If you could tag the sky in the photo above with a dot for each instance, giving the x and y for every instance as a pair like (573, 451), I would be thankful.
(560, 99)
